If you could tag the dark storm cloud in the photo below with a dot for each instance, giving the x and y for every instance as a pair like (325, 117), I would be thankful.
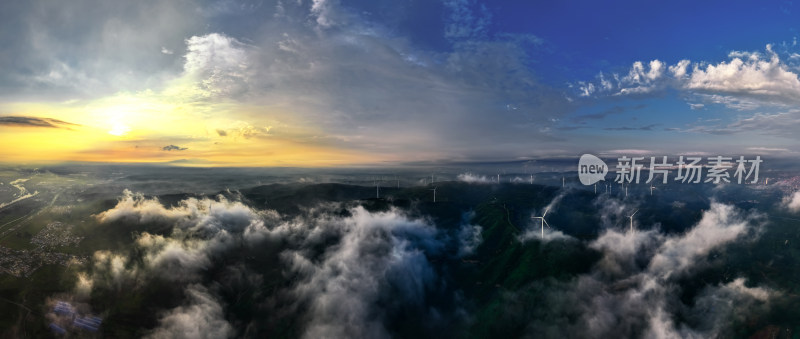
(23, 121)
(173, 148)
(603, 114)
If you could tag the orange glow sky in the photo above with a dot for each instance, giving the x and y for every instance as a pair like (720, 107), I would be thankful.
(329, 83)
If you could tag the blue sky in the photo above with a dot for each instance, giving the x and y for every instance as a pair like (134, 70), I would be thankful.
(390, 82)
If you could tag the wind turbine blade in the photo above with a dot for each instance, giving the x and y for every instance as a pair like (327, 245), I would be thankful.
(545, 222)
(634, 213)
(545, 212)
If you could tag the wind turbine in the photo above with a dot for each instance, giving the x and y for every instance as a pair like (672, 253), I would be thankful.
(562, 182)
(626, 191)
(434, 193)
(595, 188)
(631, 217)
(651, 189)
(498, 178)
(543, 221)
(531, 179)
(377, 189)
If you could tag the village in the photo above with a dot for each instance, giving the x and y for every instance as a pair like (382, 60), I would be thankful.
(23, 263)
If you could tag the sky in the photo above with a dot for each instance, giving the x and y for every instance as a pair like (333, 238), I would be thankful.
(317, 83)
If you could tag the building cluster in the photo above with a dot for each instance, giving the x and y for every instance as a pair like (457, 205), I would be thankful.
(788, 185)
(22, 263)
(55, 234)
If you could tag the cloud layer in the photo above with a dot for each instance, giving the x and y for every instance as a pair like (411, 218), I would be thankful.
(748, 76)
(351, 274)
(316, 73)
(634, 289)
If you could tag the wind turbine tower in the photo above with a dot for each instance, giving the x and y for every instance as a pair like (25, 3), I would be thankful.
(434, 193)
(544, 222)
(631, 217)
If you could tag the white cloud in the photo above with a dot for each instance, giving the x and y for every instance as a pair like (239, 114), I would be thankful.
(202, 317)
(474, 178)
(112, 270)
(792, 202)
(218, 64)
(720, 225)
(640, 80)
(369, 264)
(747, 81)
(783, 124)
(717, 306)
(327, 13)
(346, 287)
(679, 70)
(469, 235)
(204, 216)
(178, 259)
(621, 297)
(201, 228)
(587, 89)
(768, 149)
(534, 232)
(730, 101)
(754, 76)
(621, 249)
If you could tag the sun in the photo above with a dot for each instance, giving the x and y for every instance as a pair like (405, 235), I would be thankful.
(117, 122)
(119, 129)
